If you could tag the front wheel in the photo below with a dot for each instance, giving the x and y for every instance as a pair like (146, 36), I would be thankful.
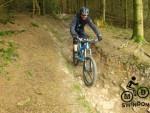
(89, 71)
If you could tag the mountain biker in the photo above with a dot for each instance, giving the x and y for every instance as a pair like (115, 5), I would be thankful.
(77, 27)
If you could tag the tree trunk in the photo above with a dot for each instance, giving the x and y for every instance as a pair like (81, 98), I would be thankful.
(148, 11)
(74, 6)
(104, 11)
(43, 7)
(67, 6)
(126, 13)
(61, 5)
(85, 3)
(77, 5)
(33, 6)
(138, 29)
(36, 7)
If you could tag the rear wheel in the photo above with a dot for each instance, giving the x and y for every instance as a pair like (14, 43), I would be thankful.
(89, 71)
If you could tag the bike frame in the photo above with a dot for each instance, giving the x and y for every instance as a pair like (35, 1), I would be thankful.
(83, 49)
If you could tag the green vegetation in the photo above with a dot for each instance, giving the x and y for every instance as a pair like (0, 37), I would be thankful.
(8, 53)
(138, 29)
(126, 15)
(139, 39)
(77, 88)
(34, 24)
(54, 7)
(85, 104)
(7, 20)
(10, 32)
(4, 33)
(81, 98)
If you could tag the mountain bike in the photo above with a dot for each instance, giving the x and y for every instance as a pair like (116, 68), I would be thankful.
(84, 54)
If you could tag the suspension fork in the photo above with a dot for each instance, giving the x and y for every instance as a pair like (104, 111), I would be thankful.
(86, 51)
(89, 55)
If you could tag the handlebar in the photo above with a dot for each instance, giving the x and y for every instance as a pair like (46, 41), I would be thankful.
(86, 40)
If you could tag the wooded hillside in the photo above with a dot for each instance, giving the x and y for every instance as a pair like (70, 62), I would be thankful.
(116, 12)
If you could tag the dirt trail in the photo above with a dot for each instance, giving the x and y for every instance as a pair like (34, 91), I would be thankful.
(43, 80)
(39, 80)
(105, 95)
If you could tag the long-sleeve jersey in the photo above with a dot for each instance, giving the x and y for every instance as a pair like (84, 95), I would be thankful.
(77, 26)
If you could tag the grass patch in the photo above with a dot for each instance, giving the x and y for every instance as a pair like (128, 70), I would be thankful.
(81, 98)
(77, 88)
(1, 68)
(8, 19)
(10, 32)
(4, 33)
(85, 104)
(8, 53)
(34, 24)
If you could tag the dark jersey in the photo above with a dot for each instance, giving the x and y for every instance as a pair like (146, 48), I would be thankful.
(77, 26)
